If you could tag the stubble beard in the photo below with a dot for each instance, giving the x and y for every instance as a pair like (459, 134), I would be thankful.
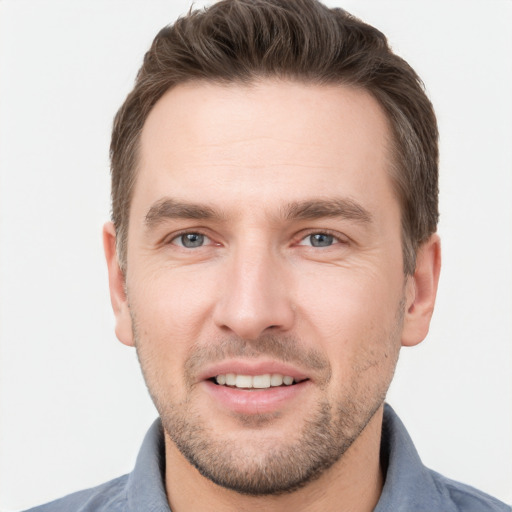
(275, 468)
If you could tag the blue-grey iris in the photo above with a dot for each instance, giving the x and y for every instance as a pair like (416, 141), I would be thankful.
(192, 240)
(321, 240)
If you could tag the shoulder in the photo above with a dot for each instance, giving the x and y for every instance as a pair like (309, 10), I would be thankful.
(466, 498)
(412, 487)
(142, 489)
(110, 496)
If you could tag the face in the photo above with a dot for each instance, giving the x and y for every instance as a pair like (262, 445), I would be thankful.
(265, 284)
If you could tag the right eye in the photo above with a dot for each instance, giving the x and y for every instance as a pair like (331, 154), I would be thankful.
(190, 240)
(319, 240)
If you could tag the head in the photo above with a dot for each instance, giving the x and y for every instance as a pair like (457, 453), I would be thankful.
(274, 203)
(243, 41)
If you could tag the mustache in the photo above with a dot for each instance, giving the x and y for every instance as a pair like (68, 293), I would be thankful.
(284, 347)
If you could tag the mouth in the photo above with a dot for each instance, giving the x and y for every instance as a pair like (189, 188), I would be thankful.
(247, 382)
(255, 387)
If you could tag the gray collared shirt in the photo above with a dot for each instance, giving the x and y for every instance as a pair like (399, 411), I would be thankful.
(409, 485)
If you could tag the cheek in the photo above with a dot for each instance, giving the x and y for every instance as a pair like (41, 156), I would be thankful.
(345, 301)
(169, 307)
(356, 319)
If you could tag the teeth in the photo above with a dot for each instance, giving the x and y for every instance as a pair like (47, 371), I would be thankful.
(261, 381)
(257, 381)
(288, 381)
(276, 380)
(243, 381)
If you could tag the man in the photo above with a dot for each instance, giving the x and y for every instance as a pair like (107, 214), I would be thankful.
(273, 245)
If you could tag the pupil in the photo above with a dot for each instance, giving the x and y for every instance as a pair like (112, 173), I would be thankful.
(192, 240)
(321, 240)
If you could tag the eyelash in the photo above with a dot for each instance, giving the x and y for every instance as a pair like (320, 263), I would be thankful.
(338, 238)
(177, 236)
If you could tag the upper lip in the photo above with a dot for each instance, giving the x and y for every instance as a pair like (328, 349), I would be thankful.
(247, 367)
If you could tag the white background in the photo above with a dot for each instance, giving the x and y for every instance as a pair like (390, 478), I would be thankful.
(73, 406)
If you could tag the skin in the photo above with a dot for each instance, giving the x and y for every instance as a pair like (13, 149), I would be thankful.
(251, 163)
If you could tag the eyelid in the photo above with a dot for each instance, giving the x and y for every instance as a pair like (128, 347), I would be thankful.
(170, 238)
(339, 237)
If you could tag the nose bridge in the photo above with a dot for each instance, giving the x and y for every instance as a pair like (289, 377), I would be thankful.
(255, 296)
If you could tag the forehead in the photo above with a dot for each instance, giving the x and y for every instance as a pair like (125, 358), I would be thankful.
(272, 139)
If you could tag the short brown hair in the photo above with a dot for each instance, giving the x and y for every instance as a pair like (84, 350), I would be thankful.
(303, 40)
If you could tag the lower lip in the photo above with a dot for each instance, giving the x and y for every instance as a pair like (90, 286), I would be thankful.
(255, 401)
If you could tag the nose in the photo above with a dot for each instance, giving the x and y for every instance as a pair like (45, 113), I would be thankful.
(255, 297)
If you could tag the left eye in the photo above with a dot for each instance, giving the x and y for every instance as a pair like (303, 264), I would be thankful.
(319, 240)
(190, 240)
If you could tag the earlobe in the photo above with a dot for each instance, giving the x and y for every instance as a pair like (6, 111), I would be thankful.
(421, 291)
(116, 280)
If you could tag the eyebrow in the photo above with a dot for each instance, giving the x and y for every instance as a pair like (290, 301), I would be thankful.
(346, 208)
(168, 208)
(320, 208)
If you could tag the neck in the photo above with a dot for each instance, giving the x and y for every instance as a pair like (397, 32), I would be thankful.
(352, 484)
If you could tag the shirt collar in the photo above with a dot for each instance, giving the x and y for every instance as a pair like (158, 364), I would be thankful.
(409, 485)
(145, 487)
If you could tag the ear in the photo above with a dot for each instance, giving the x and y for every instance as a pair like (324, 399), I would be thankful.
(116, 281)
(421, 291)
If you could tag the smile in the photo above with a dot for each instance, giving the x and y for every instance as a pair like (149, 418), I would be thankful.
(255, 388)
(264, 381)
